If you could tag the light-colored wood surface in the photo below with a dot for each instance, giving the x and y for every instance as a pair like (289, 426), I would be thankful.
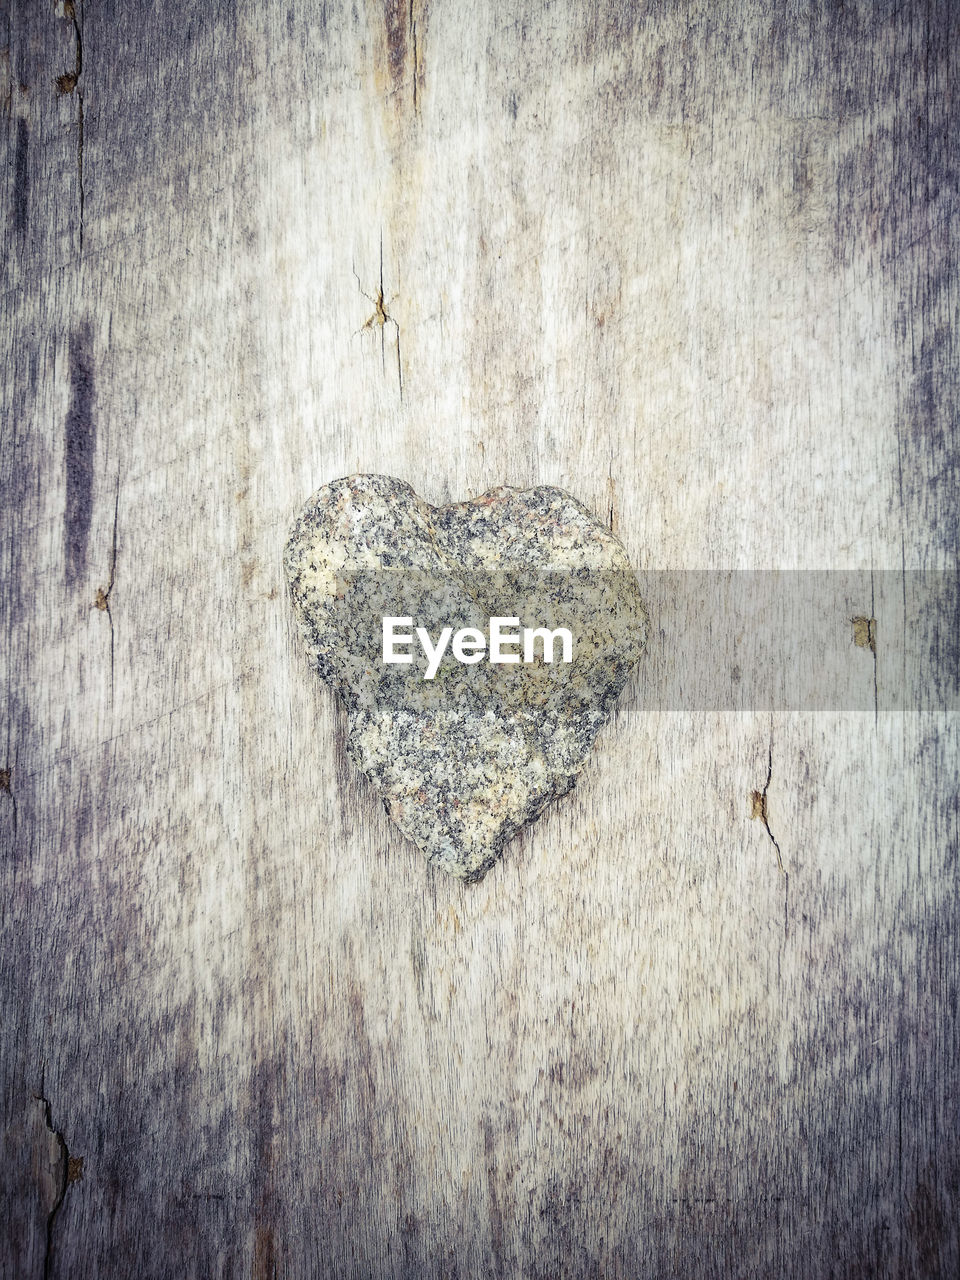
(694, 263)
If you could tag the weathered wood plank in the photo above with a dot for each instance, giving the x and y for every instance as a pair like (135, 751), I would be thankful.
(699, 269)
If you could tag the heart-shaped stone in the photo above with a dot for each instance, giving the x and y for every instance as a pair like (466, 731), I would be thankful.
(465, 750)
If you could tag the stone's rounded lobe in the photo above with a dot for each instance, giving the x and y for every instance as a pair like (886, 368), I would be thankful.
(464, 760)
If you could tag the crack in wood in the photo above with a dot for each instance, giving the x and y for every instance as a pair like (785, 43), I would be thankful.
(758, 809)
(413, 42)
(381, 318)
(6, 787)
(102, 600)
(63, 1180)
(66, 84)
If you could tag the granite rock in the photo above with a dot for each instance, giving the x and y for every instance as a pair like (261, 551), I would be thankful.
(464, 760)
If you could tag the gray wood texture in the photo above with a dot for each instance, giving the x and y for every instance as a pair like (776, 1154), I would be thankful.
(697, 264)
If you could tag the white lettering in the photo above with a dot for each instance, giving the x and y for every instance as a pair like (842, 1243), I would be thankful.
(500, 637)
(391, 640)
(469, 645)
(434, 655)
(548, 638)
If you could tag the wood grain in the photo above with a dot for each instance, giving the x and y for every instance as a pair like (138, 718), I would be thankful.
(696, 264)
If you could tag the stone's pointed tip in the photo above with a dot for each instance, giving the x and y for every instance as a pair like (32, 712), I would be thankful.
(464, 753)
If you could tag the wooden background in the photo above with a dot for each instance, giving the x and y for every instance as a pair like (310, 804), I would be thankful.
(696, 263)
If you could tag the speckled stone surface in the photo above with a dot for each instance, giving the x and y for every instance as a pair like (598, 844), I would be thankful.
(465, 760)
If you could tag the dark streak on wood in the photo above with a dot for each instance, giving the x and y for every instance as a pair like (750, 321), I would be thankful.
(265, 1089)
(395, 18)
(80, 441)
(347, 775)
(403, 76)
(21, 179)
(264, 1255)
(493, 1173)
